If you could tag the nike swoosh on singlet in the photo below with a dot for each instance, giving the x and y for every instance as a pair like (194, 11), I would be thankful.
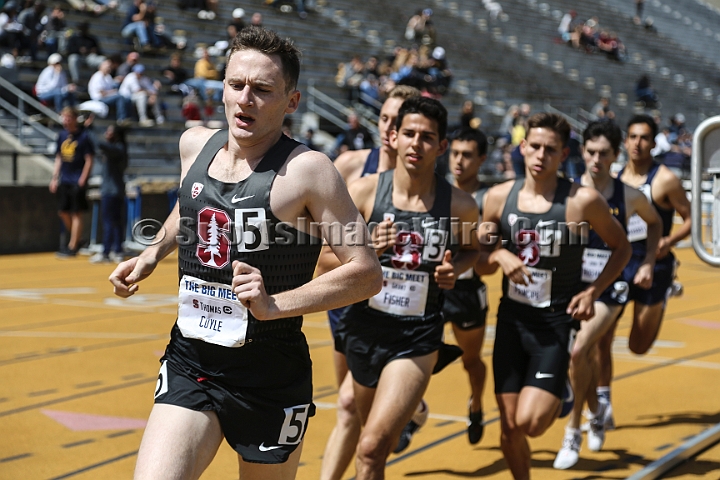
(539, 375)
(263, 448)
(235, 200)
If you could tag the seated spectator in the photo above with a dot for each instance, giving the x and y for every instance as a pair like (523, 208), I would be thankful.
(567, 26)
(54, 34)
(143, 92)
(11, 30)
(132, 59)
(103, 88)
(83, 48)
(236, 24)
(31, 19)
(206, 81)
(354, 137)
(602, 109)
(610, 44)
(137, 25)
(677, 126)
(174, 75)
(52, 84)
(256, 19)
(645, 93)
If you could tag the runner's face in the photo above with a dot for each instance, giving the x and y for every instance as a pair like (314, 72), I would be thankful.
(464, 159)
(639, 142)
(598, 155)
(418, 143)
(386, 122)
(255, 95)
(543, 151)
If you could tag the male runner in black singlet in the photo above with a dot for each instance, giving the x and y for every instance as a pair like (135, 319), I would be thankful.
(666, 193)
(466, 304)
(601, 146)
(352, 165)
(393, 341)
(237, 365)
(542, 221)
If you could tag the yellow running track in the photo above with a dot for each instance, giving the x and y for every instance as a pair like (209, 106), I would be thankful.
(78, 368)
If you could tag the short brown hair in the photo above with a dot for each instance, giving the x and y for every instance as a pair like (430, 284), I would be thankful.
(553, 121)
(70, 111)
(270, 43)
(404, 92)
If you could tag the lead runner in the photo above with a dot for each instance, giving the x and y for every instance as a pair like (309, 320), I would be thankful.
(237, 365)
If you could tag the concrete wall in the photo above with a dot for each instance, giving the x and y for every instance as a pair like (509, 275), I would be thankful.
(29, 220)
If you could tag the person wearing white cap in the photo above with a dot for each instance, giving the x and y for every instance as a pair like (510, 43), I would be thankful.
(52, 84)
(143, 91)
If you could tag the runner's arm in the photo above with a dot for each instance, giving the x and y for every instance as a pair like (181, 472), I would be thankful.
(677, 199)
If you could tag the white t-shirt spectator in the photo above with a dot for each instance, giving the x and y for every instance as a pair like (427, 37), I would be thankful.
(99, 83)
(133, 84)
(50, 79)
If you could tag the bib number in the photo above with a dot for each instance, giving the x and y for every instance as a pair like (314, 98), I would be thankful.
(536, 294)
(251, 229)
(294, 425)
(636, 228)
(435, 241)
(594, 261)
(211, 312)
(404, 292)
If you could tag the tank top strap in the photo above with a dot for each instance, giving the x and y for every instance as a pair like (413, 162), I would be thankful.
(371, 162)
(208, 152)
(443, 198)
(652, 172)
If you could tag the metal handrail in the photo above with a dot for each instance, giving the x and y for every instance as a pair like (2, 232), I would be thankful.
(696, 169)
(576, 125)
(19, 111)
(314, 94)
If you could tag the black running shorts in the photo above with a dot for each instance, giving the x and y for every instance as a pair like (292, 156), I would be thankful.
(532, 347)
(466, 305)
(262, 425)
(371, 340)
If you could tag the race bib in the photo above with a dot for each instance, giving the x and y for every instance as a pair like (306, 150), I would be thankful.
(211, 312)
(404, 292)
(482, 297)
(536, 294)
(636, 228)
(594, 261)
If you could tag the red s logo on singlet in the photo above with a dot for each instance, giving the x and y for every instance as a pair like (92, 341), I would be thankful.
(407, 250)
(213, 249)
(526, 242)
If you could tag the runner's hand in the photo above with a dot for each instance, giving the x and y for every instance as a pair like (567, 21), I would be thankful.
(248, 285)
(644, 276)
(126, 275)
(582, 306)
(445, 272)
(383, 236)
(513, 268)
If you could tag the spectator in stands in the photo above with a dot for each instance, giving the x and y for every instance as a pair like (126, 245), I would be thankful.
(163, 37)
(206, 81)
(256, 19)
(350, 75)
(52, 84)
(420, 28)
(31, 19)
(53, 36)
(645, 93)
(567, 26)
(73, 163)
(11, 30)
(114, 161)
(208, 10)
(508, 121)
(132, 59)
(354, 137)
(83, 48)
(174, 75)
(639, 6)
(677, 126)
(143, 92)
(102, 88)
(136, 25)
(308, 140)
(602, 109)
(236, 24)
(609, 43)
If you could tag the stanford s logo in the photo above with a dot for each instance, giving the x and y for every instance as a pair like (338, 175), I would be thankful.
(196, 189)
(527, 245)
(213, 249)
(407, 250)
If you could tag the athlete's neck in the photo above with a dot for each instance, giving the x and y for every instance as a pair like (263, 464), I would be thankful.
(413, 184)
(599, 183)
(250, 151)
(541, 186)
(469, 185)
(639, 166)
(387, 160)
